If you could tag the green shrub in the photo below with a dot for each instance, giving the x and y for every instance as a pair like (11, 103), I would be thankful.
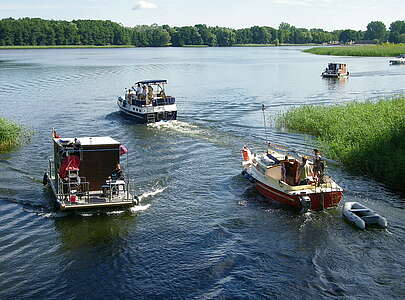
(10, 134)
(365, 137)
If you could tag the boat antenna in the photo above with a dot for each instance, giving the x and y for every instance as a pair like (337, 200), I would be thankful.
(264, 121)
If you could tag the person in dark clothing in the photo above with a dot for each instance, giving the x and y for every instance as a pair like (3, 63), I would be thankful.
(117, 174)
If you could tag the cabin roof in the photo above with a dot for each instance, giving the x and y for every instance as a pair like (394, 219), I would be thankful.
(152, 81)
(86, 141)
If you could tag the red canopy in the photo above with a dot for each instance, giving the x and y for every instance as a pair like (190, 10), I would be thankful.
(69, 163)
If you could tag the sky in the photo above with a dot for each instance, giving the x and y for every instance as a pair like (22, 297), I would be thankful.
(325, 14)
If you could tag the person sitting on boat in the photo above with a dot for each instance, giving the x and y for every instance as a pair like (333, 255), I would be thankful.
(305, 173)
(117, 173)
(150, 92)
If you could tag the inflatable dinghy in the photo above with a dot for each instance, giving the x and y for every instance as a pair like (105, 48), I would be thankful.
(361, 216)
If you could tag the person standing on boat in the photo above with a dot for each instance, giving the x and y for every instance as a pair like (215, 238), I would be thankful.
(319, 165)
(144, 92)
(138, 90)
(305, 172)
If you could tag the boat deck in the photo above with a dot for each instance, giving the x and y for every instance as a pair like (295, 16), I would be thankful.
(94, 200)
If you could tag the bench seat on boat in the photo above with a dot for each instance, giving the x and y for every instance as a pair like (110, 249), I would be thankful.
(360, 210)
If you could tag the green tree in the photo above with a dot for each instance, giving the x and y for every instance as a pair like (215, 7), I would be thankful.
(348, 35)
(376, 30)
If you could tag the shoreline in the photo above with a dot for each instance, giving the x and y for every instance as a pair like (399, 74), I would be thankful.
(64, 47)
(384, 50)
(132, 46)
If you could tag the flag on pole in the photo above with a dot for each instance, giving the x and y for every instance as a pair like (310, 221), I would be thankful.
(123, 150)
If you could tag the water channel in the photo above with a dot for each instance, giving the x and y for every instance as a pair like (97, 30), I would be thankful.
(204, 233)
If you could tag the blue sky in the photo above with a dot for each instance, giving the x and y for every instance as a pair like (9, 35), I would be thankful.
(326, 14)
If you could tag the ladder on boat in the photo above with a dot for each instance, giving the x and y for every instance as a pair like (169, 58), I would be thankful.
(75, 185)
(150, 118)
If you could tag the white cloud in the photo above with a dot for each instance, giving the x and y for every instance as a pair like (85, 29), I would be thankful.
(144, 5)
(303, 2)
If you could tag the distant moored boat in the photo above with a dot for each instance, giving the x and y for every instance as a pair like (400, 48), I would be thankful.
(399, 60)
(335, 70)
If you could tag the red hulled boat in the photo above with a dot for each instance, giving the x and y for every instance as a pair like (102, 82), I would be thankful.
(276, 176)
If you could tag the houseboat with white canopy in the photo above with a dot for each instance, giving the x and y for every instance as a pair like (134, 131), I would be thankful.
(147, 102)
(85, 173)
(335, 70)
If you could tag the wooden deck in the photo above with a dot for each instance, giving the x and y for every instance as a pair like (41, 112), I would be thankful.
(94, 201)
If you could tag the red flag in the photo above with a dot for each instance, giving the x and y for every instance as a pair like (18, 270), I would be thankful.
(123, 150)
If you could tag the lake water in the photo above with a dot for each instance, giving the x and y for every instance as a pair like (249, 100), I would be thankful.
(204, 233)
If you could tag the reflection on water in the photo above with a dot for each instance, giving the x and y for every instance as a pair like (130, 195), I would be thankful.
(203, 231)
(78, 233)
(335, 83)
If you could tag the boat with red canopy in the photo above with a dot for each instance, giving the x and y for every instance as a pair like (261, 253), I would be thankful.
(85, 173)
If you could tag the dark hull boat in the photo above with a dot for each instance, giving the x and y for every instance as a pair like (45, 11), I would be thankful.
(149, 104)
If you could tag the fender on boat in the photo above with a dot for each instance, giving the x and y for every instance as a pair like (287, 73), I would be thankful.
(45, 179)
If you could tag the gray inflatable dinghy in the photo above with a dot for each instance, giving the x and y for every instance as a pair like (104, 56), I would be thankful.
(361, 216)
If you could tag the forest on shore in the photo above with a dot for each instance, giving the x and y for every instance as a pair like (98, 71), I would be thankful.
(39, 32)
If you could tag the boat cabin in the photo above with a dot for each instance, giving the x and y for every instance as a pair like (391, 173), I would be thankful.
(148, 92)
(86, 172)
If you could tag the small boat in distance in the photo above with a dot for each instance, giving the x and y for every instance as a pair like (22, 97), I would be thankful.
(276, 176)
(335, 70)
(147, 102)
(399, 60)
(362, 216)
(85, 173)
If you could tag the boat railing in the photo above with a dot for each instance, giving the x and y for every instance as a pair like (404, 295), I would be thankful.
(71, 192)
(118, 188)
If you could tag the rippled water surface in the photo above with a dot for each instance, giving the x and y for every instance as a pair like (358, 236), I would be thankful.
(202, 232)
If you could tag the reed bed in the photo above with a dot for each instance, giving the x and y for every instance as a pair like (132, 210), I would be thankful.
(11, 135)
(366, 137)
(366, 50)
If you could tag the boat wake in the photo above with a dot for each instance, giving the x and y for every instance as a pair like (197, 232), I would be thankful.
(176, 126)
(151, 193)
(138, 208)
(307, 219)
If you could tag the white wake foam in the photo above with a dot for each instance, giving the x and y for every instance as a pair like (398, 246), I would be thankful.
(137, 208)
(151, 193)
(178, 126)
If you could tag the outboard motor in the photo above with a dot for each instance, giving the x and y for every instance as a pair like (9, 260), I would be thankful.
(305, 204)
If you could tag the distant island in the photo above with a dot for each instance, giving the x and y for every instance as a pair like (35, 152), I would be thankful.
(34, 32)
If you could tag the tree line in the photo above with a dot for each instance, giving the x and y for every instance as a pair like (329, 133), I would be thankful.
(39, 32)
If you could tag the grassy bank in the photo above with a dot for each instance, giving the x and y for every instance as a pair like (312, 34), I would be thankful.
(64, 47)
(366, 137)
(11, 135)
(366, 50)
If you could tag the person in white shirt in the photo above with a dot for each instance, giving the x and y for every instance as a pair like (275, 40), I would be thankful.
(138, 90)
